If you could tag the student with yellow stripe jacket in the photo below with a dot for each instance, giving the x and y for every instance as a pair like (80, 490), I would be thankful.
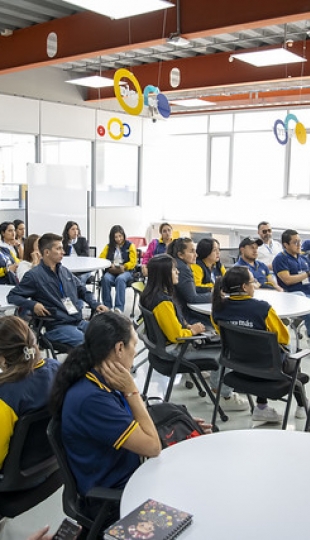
(105, 425)
(208, 266)
(25, 379)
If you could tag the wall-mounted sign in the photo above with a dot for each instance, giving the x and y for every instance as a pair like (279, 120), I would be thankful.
(281, 130)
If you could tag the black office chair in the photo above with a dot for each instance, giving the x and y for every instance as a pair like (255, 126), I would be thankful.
(30, 472)
(167, 364)
(52, 348)
(72, 501)
(256, 363)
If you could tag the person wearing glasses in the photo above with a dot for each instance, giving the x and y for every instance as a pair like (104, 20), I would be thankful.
(233, 302)
(269, 248)
(292, 269)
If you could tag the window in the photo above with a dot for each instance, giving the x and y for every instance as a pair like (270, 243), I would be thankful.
(219, 170)
(58, 151)
(117, 174)
(15, 152)
(298, 182)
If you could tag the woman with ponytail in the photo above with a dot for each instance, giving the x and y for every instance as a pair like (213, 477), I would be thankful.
(105, 425)
(25, 379)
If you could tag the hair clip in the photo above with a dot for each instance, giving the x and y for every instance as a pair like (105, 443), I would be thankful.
(29, 353)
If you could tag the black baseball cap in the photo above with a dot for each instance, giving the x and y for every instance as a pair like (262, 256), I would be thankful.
(249, 240)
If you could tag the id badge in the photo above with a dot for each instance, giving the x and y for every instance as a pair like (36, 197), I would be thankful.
(70, 307)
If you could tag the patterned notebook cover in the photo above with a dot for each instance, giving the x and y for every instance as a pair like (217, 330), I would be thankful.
(152, 520)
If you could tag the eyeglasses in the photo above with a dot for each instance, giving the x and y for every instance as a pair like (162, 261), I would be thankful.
(264, 231)
(251, 281)
(296, 242)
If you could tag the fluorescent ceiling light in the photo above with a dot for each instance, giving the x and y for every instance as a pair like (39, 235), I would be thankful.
(178, 41)
(272, 57)
(95, 81)
(119, 9)
(191, 102)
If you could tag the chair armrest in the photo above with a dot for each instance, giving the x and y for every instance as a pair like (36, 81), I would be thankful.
(299, 355)
(109, 494)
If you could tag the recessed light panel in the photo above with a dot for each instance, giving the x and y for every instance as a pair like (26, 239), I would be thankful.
(191, 103)
(272, 57)
(119, 9)
(95, 81)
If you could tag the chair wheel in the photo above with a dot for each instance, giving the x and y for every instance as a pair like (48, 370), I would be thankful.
(224, 418)
(189, 384)
(202, 393)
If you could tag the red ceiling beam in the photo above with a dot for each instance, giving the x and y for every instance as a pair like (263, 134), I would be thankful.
(211, 71)
(88, 34)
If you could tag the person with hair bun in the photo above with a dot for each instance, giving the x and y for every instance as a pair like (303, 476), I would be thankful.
(105, 425)
(233, 302)
(208, 266)
(8, 258)
(25, 379)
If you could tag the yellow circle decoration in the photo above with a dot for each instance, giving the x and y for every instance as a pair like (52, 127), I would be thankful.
(121, 129)
(300, 132)
(124, 73)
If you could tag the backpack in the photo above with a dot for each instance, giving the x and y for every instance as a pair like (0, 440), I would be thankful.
(173, 422)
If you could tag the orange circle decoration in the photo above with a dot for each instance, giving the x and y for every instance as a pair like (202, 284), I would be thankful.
(300, 132)
(121, 129)
(119, 75)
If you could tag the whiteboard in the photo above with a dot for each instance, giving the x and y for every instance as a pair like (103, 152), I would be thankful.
(56, 194)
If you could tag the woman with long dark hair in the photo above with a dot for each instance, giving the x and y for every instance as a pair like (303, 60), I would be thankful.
(158, 297)
(20, 230)
(208, 266)
(105, 425)
(123, 257)
(25, 379)
(8, 258)
(233, 302)
(75, 245)
(32, 255)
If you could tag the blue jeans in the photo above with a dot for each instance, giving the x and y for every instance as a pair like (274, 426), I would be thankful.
(68, 333)
(120, 283)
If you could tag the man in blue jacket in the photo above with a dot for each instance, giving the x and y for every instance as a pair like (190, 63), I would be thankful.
(50, 289)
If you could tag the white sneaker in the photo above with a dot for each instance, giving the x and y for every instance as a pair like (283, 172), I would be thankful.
(267, 415)
(300, 413)
(234, 403)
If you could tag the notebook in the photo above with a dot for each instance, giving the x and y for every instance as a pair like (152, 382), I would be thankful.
(152, 520)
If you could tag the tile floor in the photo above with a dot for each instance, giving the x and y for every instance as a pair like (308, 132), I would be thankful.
(51, 510)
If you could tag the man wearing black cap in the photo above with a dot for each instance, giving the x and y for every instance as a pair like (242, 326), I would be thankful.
(248, 249)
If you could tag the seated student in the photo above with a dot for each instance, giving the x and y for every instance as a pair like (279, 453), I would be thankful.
(25, 379)
(32, 256)
(184, 252)
(20, 230)
(123, 256)
(208, 265)
(156, 247)
(75, 245)
(233, 302)
(158, 297)
(50, 289)
(105, 425)
(8, 258)
(248, 249)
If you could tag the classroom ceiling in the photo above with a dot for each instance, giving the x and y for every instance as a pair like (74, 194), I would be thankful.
(88, 43)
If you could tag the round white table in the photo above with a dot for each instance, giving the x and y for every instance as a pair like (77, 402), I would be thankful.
(85, 264)
(285, 304)
(4, 291)
(241, 485)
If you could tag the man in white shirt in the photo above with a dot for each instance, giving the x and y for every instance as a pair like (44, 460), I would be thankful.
(270, 248)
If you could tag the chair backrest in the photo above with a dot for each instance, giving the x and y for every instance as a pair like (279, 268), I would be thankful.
(70, 497)
(92, 251)
(251, 352)
(138, 241)
(31, 458)
(154, 338)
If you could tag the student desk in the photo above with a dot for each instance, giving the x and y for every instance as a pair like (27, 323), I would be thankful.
(4, 305)
(241, 485)
(85, 264)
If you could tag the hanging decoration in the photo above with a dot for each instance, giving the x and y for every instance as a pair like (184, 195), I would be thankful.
(281, 130)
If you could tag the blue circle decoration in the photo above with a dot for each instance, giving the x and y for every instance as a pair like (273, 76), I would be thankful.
(149, 89)
(128, 130)
(288, 118)
(163, 106)
(277, 124)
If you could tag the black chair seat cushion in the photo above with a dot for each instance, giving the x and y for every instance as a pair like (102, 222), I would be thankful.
(249, 385)
(165, 367)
